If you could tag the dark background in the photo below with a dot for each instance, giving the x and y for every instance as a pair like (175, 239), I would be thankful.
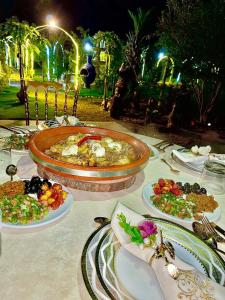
(111, 15)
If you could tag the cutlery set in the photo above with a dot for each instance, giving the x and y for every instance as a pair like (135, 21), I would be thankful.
(17, 129)
(207, 231)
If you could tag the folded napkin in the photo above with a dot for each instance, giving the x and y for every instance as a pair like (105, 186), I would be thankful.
(190, 284)
(191, 158)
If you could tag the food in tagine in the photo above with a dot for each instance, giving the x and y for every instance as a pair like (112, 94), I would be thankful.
(182, 200)
(93, 150)
(27, 201)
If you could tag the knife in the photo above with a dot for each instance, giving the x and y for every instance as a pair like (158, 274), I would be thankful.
(221, 230)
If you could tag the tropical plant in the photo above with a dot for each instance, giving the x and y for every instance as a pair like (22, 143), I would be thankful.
(19, 33)
(135, 41)
(193, 33)
(114, 47)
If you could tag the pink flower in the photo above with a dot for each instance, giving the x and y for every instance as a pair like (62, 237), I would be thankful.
(147, 228)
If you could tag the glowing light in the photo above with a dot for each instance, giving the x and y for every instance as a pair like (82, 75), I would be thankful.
(54, 53)
(161, 55)
(209, 124)
(178, 77)
(77, 59)
(48, 61)
(88, 47)
(51, 21)
(8, 55)
(32, 63)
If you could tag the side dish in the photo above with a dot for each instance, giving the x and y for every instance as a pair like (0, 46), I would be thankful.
(182, 201)
(27, 201)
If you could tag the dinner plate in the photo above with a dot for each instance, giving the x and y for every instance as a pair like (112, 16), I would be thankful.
(147, 192)
(106, 278)
(52, 217)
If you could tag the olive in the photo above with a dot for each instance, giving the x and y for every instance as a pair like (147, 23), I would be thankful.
(198, 191)
(26, 183)
(35, 179)
(196, 185)
(33, 189)
(45, 180)
(187, 185)
(187, 189)
(179, 184)
(203, 191)
(28, 190)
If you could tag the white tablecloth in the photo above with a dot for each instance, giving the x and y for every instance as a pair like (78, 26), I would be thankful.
(45, 265)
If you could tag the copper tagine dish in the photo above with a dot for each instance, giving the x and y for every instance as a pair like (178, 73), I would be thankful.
(91, 178)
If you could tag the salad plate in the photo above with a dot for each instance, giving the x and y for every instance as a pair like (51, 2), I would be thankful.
(148, 192)
(109, 272)
(54, 216)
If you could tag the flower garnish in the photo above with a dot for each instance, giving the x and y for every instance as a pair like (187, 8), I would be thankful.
(143, 234)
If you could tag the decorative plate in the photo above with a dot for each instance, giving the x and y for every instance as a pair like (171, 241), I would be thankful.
(105, 278)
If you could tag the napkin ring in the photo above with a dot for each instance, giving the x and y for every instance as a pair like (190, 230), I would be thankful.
(161, 249)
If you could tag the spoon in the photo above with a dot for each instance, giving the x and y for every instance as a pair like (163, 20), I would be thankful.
(199, 229)
(213, 244)
(171, 168)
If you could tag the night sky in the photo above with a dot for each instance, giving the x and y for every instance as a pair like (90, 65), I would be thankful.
(96, 15)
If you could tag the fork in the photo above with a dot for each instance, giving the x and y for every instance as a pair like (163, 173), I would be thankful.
(171, 168)
(160, 144)
(211, 230)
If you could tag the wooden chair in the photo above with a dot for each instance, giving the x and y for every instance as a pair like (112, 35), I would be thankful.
(54, 96)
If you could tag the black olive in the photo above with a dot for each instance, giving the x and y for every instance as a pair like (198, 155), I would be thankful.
(203, 191)
(196, 185)
(187, 190)
(33, 189)
(187, 185)
(28, 190)
(45, 180)
(198, 191)
(35, 179)
(179, 184)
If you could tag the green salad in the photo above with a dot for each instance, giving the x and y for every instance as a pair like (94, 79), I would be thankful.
(21, 209)
(174, 205)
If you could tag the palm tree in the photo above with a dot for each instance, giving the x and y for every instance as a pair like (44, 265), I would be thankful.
(19, 32)
(135, 39)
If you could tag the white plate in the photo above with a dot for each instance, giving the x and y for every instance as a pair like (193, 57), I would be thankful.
(53, 217)
(21, 152)
(147, 192)
(139, 278)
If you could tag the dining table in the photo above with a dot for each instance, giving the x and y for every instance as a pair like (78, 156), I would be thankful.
(45, 263)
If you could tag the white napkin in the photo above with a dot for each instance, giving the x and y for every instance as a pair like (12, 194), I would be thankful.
(190, 158)
(190, 284)
(70, 119)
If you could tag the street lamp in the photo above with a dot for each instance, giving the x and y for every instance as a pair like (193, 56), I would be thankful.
(52, 24)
